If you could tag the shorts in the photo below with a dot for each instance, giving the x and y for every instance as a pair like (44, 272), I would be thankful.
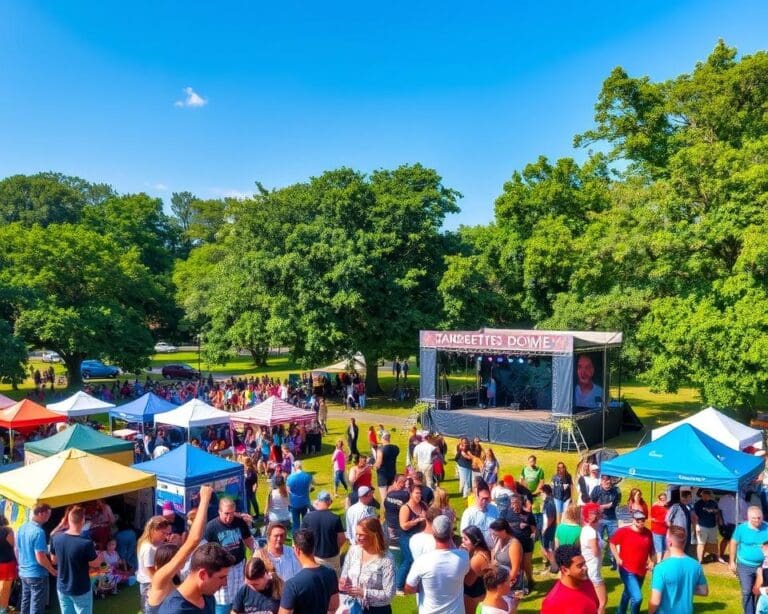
(384, 480)
(9, 571)
(726, 530)
(548, 539)
(659, 543)
(593, 571)
(527, 545)
(706, 535)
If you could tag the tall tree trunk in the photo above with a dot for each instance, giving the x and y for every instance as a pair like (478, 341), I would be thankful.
(73, 370)
(372, 374)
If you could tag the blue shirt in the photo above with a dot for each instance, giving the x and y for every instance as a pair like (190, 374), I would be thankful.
(750, 541)
(298, 485)
(676, 578)
(592, 399)
(30, 538)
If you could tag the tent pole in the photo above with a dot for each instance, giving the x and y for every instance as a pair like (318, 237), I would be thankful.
(605, 390)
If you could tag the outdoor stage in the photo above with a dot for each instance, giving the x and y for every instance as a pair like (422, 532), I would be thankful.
(530, 428)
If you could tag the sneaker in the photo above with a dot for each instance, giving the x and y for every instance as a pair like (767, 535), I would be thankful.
(722, 560)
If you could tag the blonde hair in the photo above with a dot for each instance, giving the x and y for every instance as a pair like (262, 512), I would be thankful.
(153, 524)
(441, 498)
(571, 513)
(371, 526)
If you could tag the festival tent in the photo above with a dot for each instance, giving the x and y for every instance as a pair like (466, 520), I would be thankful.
(83, 438)
(356, 363)
(193, 413)
(687, 457)
(5, 401)
(71, 476)
(141, 410)
(726, 430)
(26, 415)
(182, 471)
(271, 412)
(80, 404)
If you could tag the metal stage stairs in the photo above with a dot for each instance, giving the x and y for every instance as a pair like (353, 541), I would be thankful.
(571, 437)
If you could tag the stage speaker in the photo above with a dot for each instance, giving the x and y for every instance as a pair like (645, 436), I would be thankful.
(457, 401)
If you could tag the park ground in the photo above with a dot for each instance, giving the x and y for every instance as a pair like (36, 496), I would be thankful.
(653, 410)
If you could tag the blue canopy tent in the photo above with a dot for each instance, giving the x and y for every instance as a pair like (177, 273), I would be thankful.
(182, 471)
(140, 410)
(687, 457)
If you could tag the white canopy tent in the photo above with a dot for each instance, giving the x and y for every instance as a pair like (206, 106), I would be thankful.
(193, 413)
(356, 363)
(80, 404)
(717, 425)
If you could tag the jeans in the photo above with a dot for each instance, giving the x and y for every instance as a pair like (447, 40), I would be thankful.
(465, 480)
(747, 577)
(406, 560)
(34, 594)
(607, 529)
(338, 478)
(297, 513)
(561, 505)
(76, 604)
(659, 543)
(633, 592)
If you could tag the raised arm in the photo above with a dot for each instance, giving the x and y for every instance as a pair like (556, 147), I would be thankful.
(163, 577)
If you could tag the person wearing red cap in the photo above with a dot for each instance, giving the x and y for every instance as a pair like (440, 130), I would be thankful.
(592, 549)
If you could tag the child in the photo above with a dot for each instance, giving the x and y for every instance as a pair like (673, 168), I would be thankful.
(118, 568)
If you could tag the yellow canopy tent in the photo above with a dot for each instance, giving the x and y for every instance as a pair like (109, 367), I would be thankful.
(71, 476)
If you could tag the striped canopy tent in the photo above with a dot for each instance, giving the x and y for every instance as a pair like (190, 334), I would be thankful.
(80, 404)
(271, 412)
(6, 401)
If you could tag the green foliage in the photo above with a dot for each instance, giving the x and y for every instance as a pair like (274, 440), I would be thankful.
(79, 294)
(13, 356)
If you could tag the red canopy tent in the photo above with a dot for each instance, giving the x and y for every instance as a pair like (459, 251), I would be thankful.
(26, 415)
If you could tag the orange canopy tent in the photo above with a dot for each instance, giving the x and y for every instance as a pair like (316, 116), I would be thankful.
(26, 415)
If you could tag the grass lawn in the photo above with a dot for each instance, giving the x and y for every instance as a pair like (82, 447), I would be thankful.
(653, 409)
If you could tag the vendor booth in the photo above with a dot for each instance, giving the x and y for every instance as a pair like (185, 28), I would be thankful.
(141, 410)
(181, 472)
(193, 414)
(527, 388)
(272, 412)
(726, 430)
(69, 477)
(80, 404)
(82, 438)
(23, 417)
(687, 457)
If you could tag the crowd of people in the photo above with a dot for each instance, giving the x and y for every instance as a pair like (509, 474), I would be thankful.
(398, 534)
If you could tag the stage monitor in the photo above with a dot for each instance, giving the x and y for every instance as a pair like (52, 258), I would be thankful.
(588, 376)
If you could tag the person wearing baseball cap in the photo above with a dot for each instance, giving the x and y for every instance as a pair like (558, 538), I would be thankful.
(178, 526)
(632, 548)
(328, 530)
(362, 509)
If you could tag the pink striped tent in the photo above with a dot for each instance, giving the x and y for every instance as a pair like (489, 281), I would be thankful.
(6, 402)
(272, 412)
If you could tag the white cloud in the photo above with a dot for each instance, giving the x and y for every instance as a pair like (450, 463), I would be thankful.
(161, 187)
(230, 193)
(193, 99)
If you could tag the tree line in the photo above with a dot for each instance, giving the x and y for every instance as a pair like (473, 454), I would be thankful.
(659, 231)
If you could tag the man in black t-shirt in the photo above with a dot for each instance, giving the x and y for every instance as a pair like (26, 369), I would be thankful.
(394, 499)
(328, 531)
(523, 526)
(386, 464)
(208, 571)
(232, 533)
(315, 589)
(73, 554)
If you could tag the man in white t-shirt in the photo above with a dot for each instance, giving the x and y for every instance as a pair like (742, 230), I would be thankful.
(422, 458)
(358, 511)
(424, 542)
(438, 576)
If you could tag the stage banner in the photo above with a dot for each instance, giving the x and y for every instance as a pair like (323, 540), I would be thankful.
(562, 385)
(428, 373)
(499, 341)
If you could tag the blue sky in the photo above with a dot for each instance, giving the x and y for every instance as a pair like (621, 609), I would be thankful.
(288, 90)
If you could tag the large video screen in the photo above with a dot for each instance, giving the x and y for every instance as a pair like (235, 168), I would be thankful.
(588, 378)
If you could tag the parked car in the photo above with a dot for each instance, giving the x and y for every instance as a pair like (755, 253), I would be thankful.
(180, 371)
(164, 348)
(96, 368)
(51, 357)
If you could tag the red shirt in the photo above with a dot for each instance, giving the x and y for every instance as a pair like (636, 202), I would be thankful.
(580, 600)
(634, 549)
(658, 519)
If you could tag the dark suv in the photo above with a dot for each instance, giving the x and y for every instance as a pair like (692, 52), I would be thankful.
(180, 371)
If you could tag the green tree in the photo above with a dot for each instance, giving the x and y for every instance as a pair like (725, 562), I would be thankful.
(79, 294)
(13, 356)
